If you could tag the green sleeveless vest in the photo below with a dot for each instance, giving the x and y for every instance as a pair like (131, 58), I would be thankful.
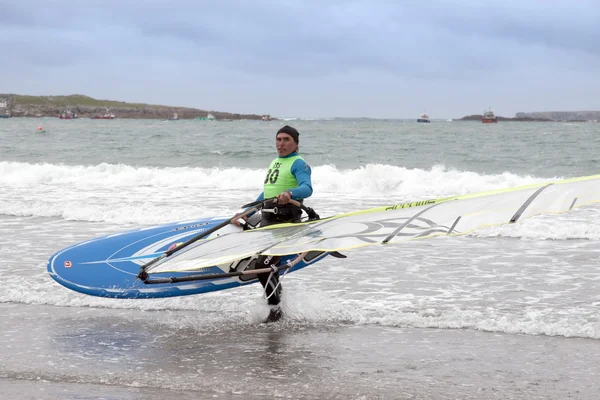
(280, 177)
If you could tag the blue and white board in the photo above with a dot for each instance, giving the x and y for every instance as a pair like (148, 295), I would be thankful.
(108, 266)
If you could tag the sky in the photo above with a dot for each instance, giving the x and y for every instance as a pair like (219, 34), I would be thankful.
(309, 58)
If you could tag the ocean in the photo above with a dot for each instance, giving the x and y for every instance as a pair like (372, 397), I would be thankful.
(509, 312)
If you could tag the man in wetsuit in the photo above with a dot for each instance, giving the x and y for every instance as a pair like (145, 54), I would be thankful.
(288, 177)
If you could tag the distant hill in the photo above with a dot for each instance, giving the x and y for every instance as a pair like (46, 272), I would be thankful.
(85, 106)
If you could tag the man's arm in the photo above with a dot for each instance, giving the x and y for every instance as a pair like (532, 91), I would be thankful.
(302, 173)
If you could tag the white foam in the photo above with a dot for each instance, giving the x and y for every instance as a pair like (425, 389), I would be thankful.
(143, 195)
(581, 223)
(506, 286)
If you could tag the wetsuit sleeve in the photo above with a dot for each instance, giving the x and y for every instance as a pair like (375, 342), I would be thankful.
(302, 173)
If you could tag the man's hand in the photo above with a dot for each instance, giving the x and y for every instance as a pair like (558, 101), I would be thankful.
(284, 197)
(236, 220)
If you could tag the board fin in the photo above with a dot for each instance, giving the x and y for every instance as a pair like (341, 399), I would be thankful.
(337, 254)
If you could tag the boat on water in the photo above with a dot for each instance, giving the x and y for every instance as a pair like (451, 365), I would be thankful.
(67, 115)
(489, 117)
(424, 118)
(266, 117)
(4, 107)
(209, 117)
(107, 115)
(174, 117)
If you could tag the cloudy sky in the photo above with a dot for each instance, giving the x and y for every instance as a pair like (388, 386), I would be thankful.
(309, 58)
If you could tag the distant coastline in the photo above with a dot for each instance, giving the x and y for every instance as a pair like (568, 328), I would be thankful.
(544, 116)
(477, 117)
(81, 106)
(87, 107)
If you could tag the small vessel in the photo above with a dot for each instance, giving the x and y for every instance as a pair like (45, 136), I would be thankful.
(174, 117)
(423, 118)
(489, 117)
(107, 115)
(209, 117)
(67, 115)
(4, 107)
(266, 117)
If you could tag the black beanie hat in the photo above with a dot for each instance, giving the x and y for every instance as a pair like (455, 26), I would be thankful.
(290, 131)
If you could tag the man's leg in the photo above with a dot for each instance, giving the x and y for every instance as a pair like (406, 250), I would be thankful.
(272, 286)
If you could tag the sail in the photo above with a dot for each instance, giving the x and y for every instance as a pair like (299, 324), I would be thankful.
(456, 215)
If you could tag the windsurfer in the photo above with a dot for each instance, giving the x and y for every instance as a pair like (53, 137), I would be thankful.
(288, 177)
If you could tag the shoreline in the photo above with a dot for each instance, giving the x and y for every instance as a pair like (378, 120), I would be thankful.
(138, 358)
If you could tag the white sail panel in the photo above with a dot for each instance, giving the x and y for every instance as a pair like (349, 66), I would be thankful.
(224, 249)
(448, 216)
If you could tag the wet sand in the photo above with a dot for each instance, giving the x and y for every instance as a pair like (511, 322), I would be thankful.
(54, 352)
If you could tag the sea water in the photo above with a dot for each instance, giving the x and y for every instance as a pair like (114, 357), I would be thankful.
(505, 312)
